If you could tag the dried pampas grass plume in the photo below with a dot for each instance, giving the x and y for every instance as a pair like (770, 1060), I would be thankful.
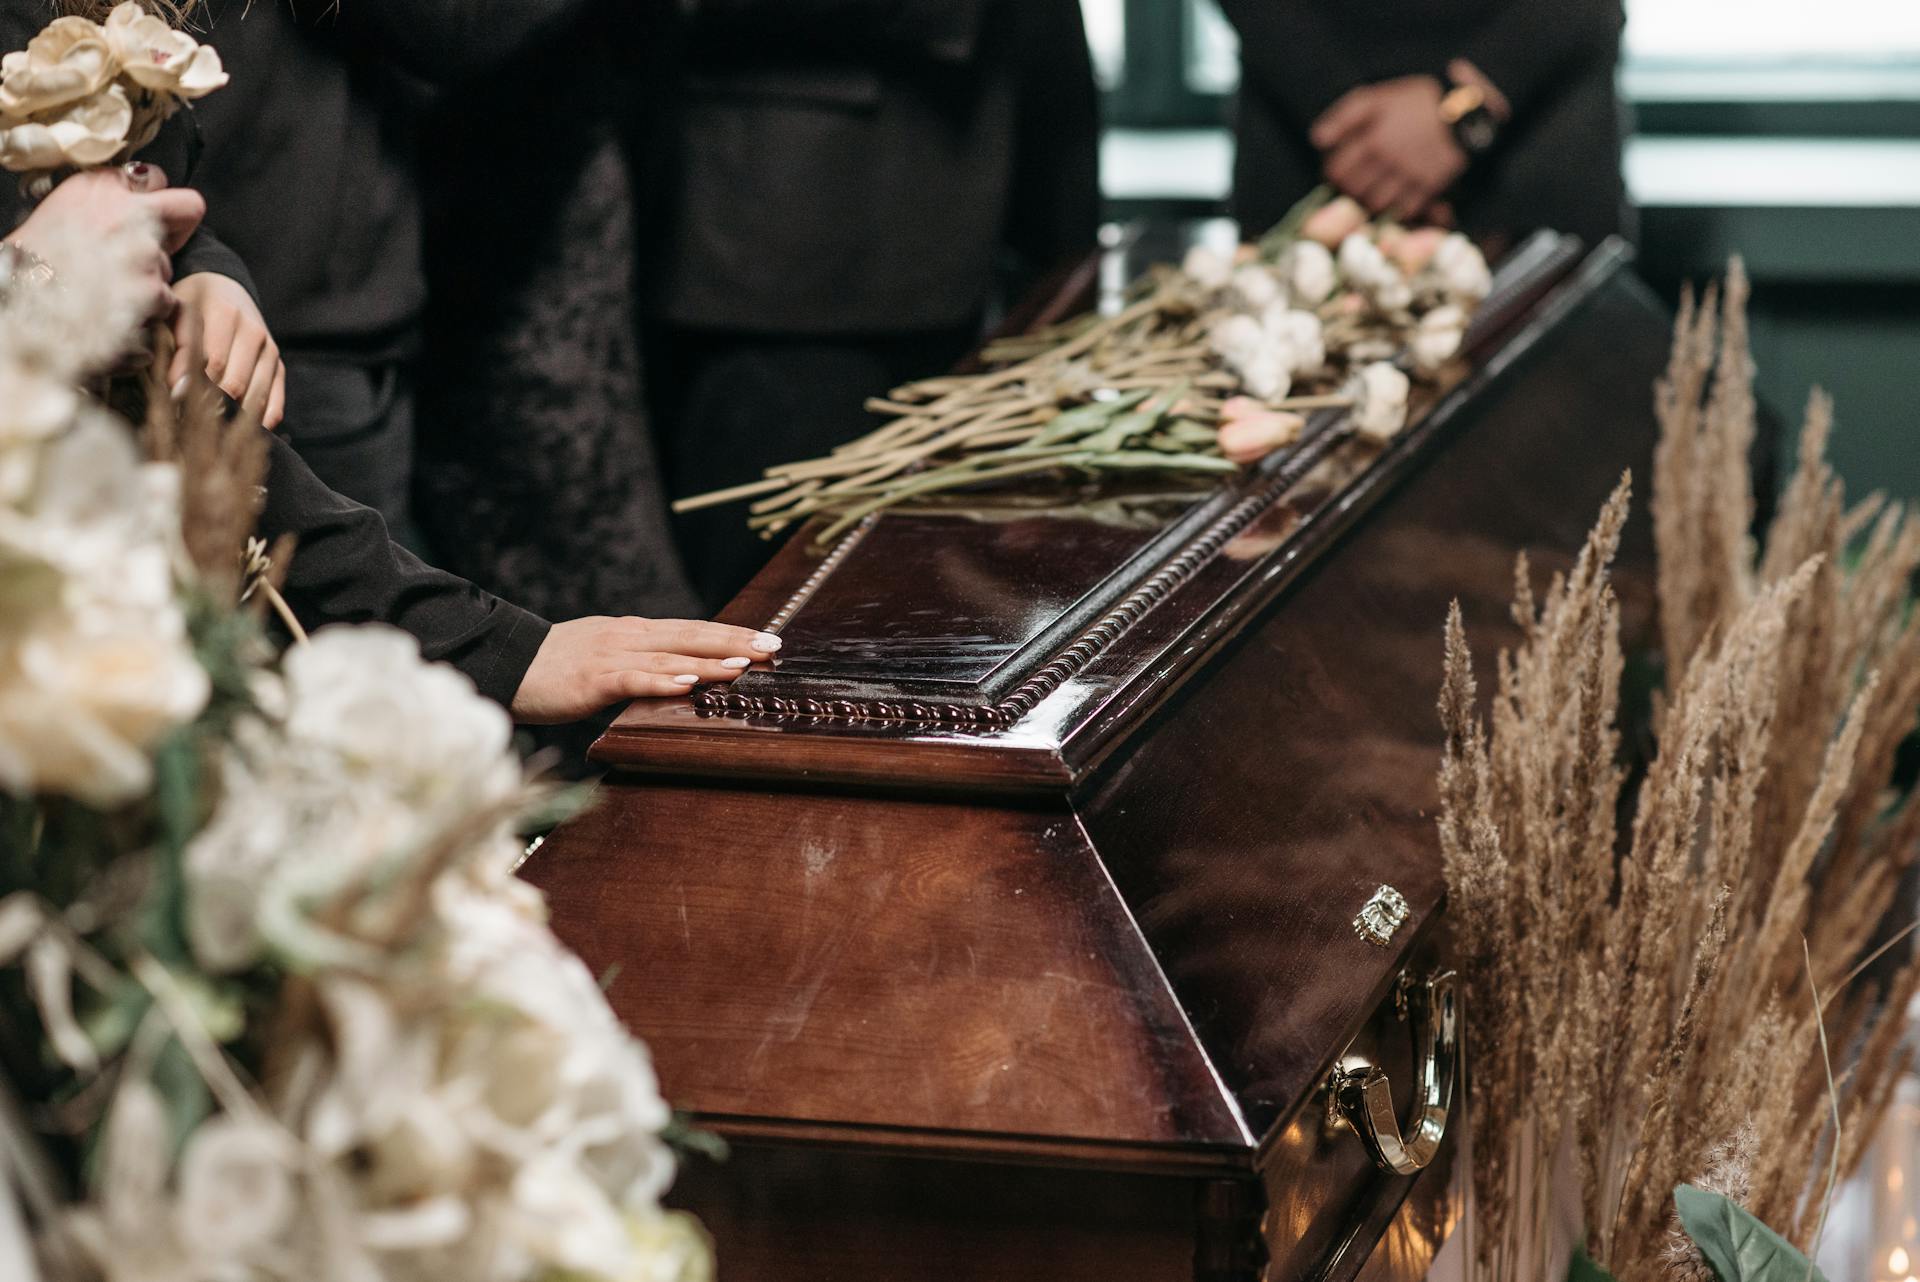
(1639, 1009)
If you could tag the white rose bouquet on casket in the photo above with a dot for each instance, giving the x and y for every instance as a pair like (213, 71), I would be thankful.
(273, 1007)
(1204, 368)
(85, 93)
(1336, 301)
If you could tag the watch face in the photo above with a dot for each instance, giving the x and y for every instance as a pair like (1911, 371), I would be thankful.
(1476, 130)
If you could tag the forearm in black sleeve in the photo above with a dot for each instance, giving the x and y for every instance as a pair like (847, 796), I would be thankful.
(1292, 55)
(346, 569)
(206, 252)
(1532, 45)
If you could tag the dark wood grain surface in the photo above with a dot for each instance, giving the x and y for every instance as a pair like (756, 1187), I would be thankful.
(896, 969)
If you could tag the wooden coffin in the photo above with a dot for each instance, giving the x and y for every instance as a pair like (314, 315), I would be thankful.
(1030, 918)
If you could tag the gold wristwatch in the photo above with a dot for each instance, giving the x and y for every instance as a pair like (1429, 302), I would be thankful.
(1465, 111)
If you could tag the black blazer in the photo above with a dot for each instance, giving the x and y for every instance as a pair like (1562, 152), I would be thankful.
(1558, 164)
(861, 166)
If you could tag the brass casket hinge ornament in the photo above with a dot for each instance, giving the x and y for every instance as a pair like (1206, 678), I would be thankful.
(1380, 916)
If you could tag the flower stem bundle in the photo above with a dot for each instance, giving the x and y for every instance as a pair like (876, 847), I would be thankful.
(1282, 328)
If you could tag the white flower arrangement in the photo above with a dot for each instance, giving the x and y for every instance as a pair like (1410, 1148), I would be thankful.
(1336, 292)
(84, 93)
(296, 1004)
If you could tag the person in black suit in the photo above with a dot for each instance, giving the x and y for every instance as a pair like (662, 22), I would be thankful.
(1500, 114)
(845, 180)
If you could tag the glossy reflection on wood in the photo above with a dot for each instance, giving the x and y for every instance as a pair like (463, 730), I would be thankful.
(1006, 923)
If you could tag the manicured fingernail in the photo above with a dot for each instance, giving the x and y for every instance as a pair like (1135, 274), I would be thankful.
(735, 663)
(686, 680)
(179, 392)
(766, 643)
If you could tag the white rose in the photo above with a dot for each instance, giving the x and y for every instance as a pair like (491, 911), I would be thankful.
(1460, 270)
(419, 729)
(83, 702)
(1299, 333)
(67, 61)
(1437, 337)
(1381, 393)
(1362, 263)
(89, 131)
(1393, 294)
(1268, 375)
(1238, 339)
(1310, 272)
(33, 409)
(1256, 287)
(1207, 269)
(562, 1219)
(236, 1187)
(156, 56)
(672, 1248)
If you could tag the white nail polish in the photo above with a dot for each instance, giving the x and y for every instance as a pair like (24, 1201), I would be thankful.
(686, 680)
(179, 392)
(766, 643)
(735, 662)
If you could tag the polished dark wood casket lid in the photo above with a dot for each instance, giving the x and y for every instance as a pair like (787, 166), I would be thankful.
(1044, 837)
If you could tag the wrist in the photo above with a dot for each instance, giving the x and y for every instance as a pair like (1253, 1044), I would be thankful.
(1469, 117)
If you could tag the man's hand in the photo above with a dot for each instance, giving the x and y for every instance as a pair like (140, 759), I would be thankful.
(1388, 148)
(586, 664)
(103, 202)
(218, 323)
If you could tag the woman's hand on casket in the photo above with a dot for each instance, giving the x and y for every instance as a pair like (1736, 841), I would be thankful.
(586, 664)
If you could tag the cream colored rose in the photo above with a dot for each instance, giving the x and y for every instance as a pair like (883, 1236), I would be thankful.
(1437, 337)
(236, 1190)
(1380, 392)
(64, 63)
(81, 707)
(91, 131)
(156, 56)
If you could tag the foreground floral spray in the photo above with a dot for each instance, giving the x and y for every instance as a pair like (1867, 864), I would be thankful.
(272, 1004)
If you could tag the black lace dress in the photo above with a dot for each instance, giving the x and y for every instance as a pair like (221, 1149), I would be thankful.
(536, 472)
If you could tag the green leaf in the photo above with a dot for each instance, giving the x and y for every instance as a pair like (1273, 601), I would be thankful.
(1738, 1246)
(1582, 1268)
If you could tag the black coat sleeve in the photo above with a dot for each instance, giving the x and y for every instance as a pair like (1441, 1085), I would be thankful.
(1531, 47)
(346, 569)
(1292, 55)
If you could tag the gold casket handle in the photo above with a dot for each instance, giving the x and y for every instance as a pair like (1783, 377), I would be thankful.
(1364, 1096)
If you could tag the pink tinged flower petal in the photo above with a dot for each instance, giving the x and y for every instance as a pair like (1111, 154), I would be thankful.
(1240, 407)
(1253, 437)
(1334, 221)
(1415, 249)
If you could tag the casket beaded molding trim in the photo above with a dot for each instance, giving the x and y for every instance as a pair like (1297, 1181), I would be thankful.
(1331, 430)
